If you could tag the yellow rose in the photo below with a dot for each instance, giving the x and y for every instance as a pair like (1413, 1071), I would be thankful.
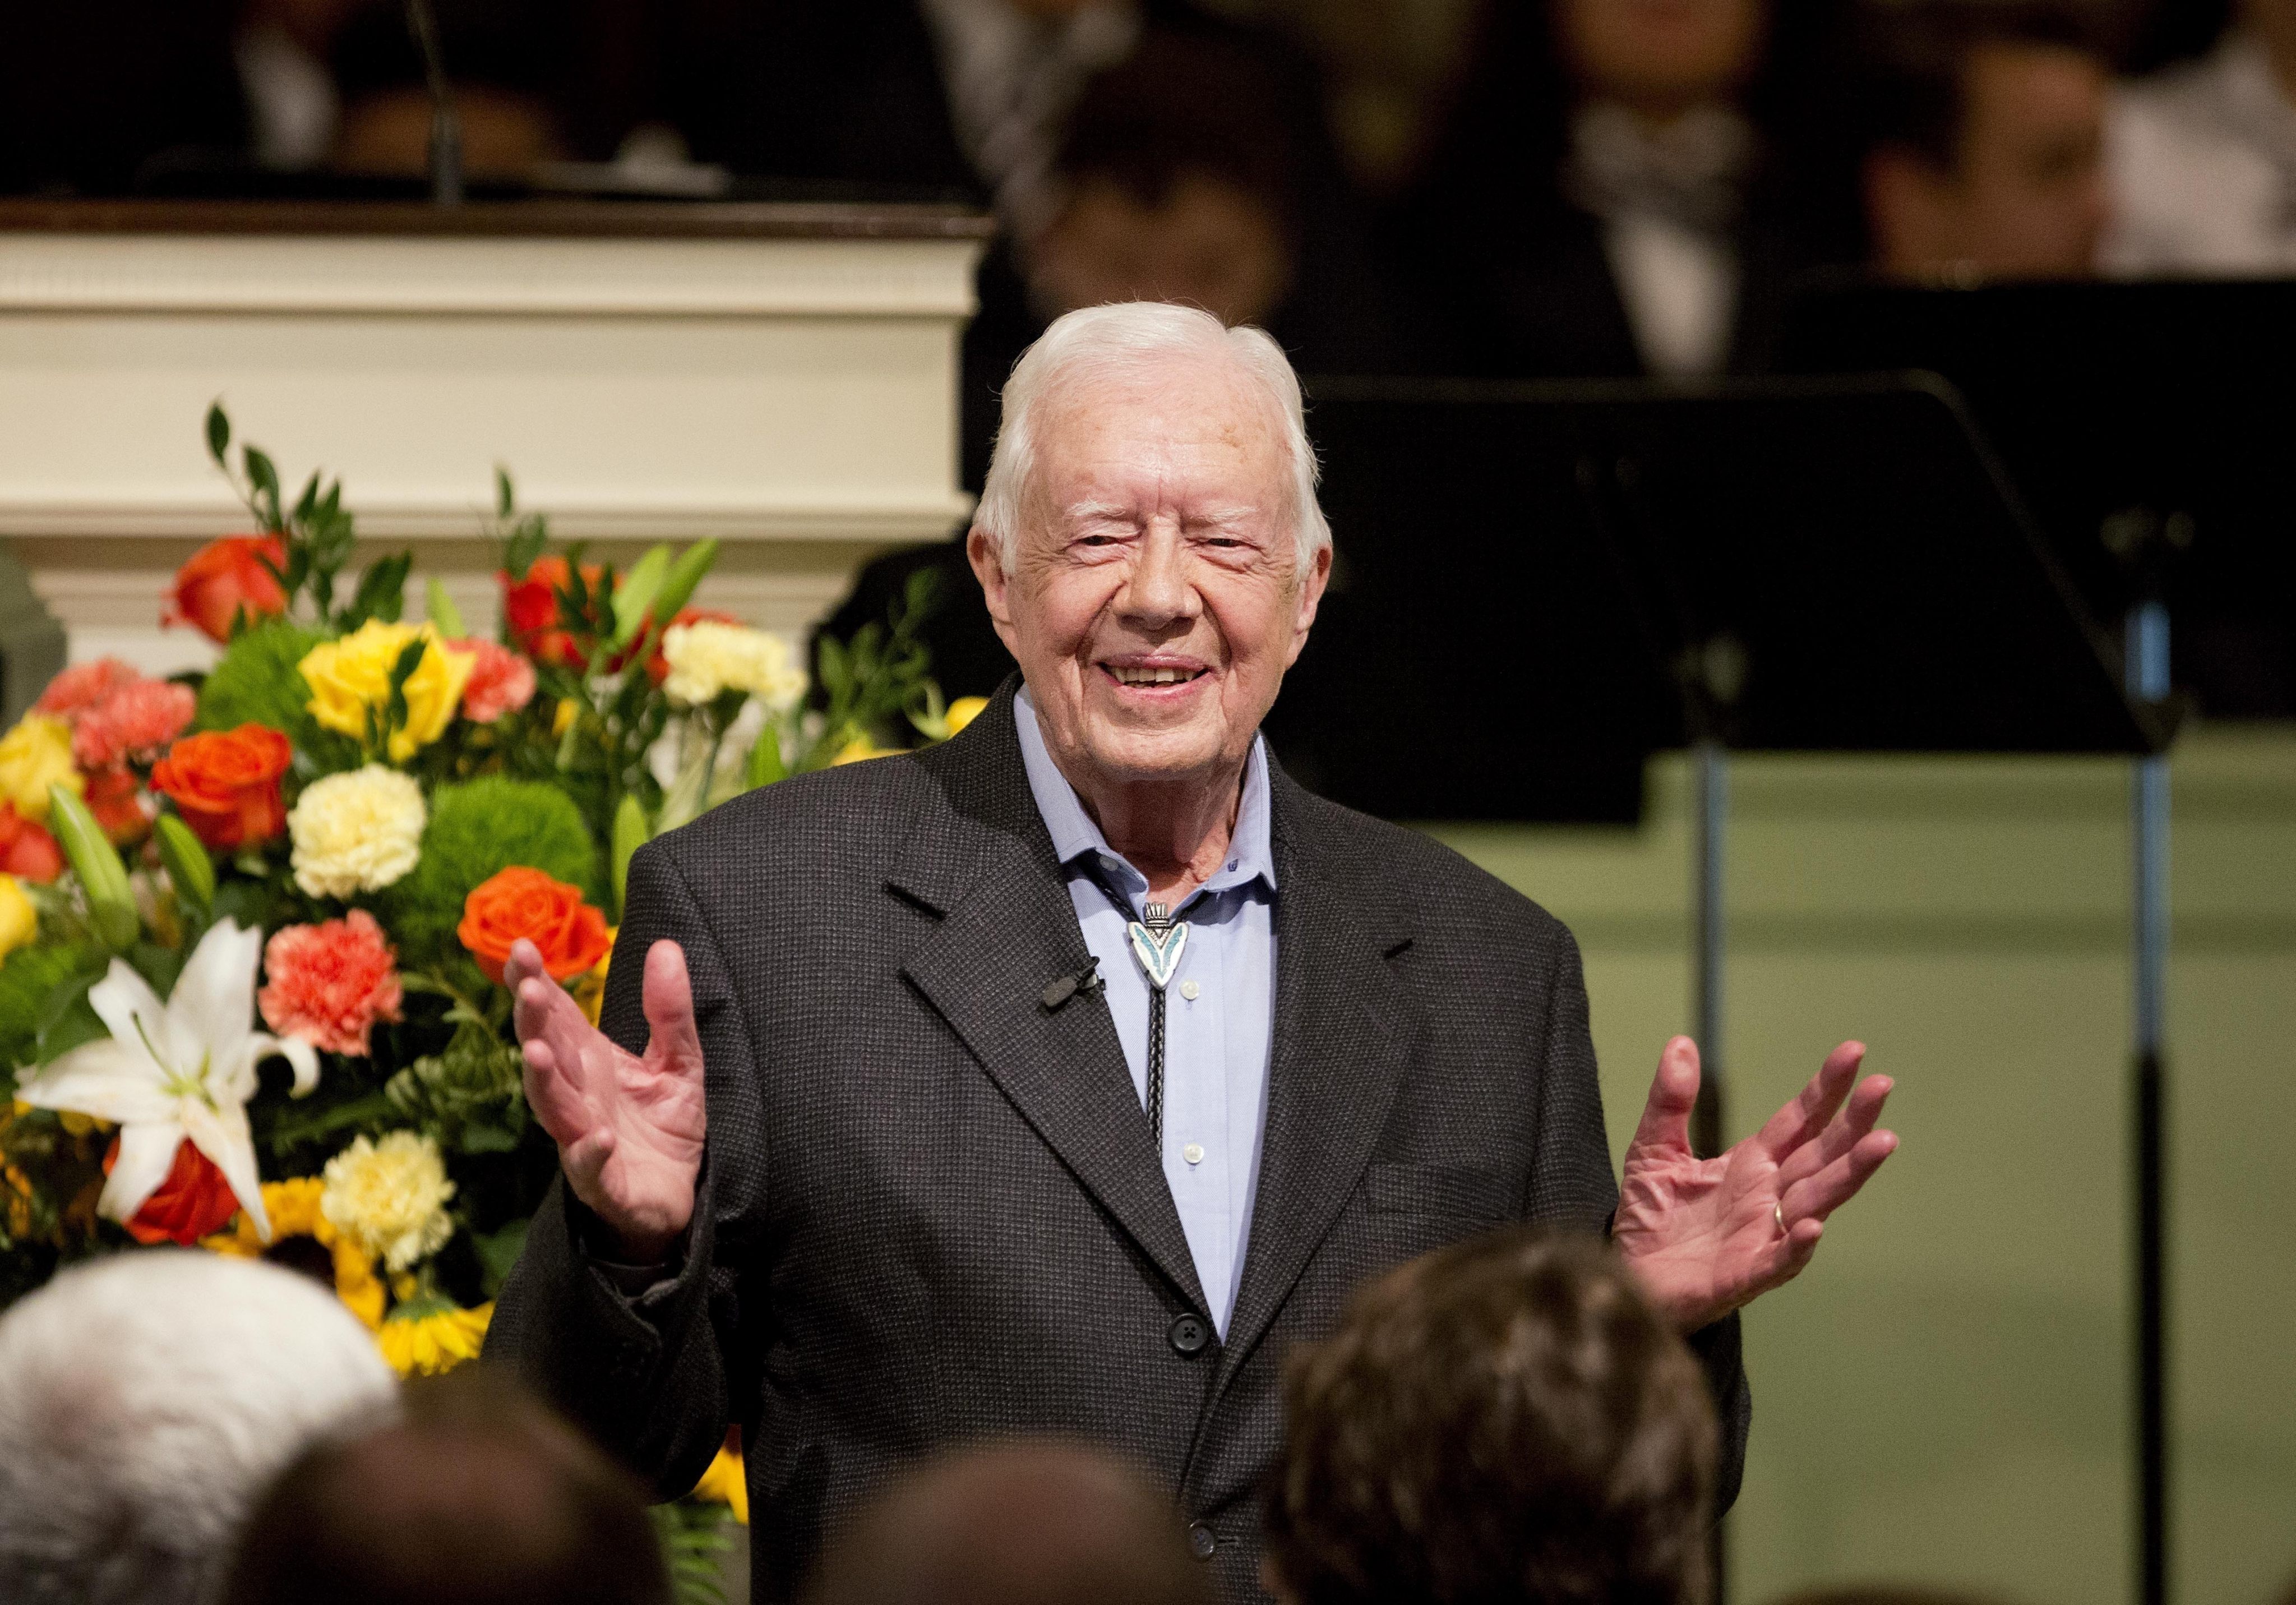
(347, 676)
(20, 921)
(34, 756)
(963, 711)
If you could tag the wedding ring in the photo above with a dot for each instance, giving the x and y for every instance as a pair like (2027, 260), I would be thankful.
(1779, 1214)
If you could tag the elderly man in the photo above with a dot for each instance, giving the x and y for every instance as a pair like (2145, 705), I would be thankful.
(1060, 1078)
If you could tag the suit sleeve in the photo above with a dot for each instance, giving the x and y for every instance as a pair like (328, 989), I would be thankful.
(1571, 1183)
(649, 1374)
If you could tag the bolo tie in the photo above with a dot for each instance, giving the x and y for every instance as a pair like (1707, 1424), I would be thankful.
(1158, 939)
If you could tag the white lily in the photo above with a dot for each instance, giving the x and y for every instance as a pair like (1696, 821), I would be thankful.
(175, 1072)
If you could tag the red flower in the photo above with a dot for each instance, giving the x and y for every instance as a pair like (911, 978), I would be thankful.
(501, 681)
(83, 686)
(27, 850)
(117, 801)
(194, 1200)
(224, 579)
(133, 720)
(530, 609)
(518, 901)
(330, 983)
(225, 784)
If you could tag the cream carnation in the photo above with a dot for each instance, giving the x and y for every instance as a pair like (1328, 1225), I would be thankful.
(706, 657)
(357, 832)
(391, 1197)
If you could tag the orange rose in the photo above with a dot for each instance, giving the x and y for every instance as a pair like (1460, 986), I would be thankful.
(224, 579)
(225, 784)
(531, 611)
(193, 1201)
(27, 850)
(523, 902)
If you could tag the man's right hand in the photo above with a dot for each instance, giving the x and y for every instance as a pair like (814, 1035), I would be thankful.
(628, 1129)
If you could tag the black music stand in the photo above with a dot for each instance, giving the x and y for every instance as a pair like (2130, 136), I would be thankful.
(2148, 425)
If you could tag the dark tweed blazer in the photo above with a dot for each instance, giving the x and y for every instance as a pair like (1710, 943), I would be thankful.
(931, 1211)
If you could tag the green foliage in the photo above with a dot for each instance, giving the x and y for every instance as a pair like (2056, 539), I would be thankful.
(468, 1097)
(258, 682)
(31, 982)
(876, 684)
(315, 535)
(477, 829)
(694, 1539)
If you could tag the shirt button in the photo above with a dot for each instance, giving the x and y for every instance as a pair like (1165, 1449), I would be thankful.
(1201, 1542)
(1188, 1335)
(1193, 1153)
(1189, 989)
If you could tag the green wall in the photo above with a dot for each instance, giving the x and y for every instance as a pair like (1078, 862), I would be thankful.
(1944, 1397)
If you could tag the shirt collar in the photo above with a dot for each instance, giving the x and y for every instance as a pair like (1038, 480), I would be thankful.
(1075, 836)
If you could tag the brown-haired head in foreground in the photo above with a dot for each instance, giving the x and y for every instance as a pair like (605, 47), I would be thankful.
(481, 1496)
(1501, 1420)
(1041, 1522)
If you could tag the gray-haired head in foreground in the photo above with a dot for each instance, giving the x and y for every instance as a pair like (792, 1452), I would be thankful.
(1125, 338)
(146, 1402)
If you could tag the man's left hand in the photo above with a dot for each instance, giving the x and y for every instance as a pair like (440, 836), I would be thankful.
(1705, 1236)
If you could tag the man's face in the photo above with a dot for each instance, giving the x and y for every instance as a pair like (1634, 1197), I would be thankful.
(1660, 57)
(1156, 600)
(2032, 183)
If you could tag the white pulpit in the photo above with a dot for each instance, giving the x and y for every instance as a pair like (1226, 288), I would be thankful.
(782, 377)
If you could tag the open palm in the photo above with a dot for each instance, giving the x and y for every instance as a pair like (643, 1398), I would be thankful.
(630, 1127)
(1705, 1236)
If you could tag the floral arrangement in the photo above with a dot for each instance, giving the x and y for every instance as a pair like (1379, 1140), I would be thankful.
(252, 923)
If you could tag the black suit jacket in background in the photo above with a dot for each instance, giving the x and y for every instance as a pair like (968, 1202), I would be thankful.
(931, 1210)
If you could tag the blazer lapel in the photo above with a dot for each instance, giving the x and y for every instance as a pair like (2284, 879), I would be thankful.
(985, 864)
(1344, 1030)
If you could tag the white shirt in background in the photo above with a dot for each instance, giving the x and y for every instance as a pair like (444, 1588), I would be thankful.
(2201, 160)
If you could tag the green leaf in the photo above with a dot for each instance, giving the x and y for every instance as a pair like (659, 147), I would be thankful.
(638, 589)
(767, 764)
(524, 547)
(264, 478)
(309, 499)
(443, 612)
(677, 586)
(381, 591)
(632, 831)
(189, 867)
(410, 658)
(67, 1020)
(836, 668)
(218, 430)
(499, 1251)
(505, 496)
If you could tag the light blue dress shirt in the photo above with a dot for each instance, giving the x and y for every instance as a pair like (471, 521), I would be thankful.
(1218, 1014)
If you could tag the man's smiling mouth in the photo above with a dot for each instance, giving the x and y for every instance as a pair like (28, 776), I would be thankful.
(1154, 674)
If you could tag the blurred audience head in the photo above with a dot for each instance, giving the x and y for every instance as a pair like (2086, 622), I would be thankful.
(478, 1496)
(1986, 151)
(145, 1403)
(1043, 1523)
(1178, 178)
(1501, 1420)
(1659, 58)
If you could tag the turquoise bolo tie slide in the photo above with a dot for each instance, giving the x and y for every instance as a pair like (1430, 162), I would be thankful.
(1158, 944)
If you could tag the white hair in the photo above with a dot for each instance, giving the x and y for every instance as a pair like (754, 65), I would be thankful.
(1123, 339)
(146, 1402)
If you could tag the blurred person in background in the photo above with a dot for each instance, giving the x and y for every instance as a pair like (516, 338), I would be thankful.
(1028, 1523)
(1618, 192)
(2202, 156)
(478, 1496)
(1984, 147)
(146, 1401)
(1504, 1420)
(283, 50)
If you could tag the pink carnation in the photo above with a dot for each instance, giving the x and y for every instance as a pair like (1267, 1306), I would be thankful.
(134, 721)
(83, 686)
(330, 983)
(502, 681)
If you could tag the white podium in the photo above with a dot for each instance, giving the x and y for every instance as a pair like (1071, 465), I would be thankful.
(783, 378)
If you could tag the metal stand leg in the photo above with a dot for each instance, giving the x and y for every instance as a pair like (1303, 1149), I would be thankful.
(2148, 678)
(1710, 765)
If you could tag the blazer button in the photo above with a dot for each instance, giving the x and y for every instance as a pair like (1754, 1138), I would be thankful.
(1188, 1335)
(1201, 1542)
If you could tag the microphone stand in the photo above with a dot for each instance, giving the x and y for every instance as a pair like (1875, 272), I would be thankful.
(445, 125)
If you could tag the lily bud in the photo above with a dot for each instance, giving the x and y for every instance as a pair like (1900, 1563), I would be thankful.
(102, 877)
